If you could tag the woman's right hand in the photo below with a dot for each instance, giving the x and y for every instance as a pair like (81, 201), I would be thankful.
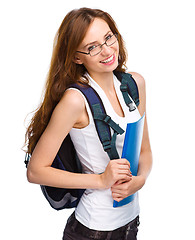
(116, 170)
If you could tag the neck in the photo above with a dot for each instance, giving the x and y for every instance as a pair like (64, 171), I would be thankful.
(104, 80)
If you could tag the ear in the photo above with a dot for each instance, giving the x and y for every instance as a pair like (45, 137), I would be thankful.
(77, 60)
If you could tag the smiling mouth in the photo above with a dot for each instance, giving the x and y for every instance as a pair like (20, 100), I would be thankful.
(108, 60)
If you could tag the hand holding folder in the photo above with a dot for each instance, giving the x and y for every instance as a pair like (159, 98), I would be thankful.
(131, 151)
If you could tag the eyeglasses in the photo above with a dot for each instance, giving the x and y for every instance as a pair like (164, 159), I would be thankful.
(96, 49)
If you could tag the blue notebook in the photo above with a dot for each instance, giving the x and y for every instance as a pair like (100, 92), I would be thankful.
(131, 151)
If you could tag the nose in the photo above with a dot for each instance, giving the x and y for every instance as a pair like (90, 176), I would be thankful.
(105, 50)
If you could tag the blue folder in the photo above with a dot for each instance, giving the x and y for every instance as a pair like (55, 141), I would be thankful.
(131, 151)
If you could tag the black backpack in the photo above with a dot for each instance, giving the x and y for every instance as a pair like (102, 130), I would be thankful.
(66, 158)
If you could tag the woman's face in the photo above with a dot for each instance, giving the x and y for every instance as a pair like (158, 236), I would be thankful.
(107, 60)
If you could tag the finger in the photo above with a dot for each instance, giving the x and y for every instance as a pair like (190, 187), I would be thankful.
(123, 161)
(124, 177)
(120, 187)
(124, 167)
(117, 197)
(115, 165)
(125, 171)
(116, 189)
(119, 182)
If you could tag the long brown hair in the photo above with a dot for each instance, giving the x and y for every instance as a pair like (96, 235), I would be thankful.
(63, 70)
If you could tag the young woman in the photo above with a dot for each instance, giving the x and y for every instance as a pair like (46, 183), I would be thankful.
(88, 48)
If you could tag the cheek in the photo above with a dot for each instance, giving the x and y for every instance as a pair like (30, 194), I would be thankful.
(90, 64)
(117, 48)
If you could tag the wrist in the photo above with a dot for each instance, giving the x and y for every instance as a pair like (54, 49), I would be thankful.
(101, 182)
(90, 181)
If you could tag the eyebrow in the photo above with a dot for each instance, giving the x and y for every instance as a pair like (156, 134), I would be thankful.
(96, 41)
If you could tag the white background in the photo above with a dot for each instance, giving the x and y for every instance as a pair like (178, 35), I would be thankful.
(160, 40)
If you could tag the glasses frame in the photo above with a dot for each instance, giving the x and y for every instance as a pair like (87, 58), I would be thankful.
(100, 45)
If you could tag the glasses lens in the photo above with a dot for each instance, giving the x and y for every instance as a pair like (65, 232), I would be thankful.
(95, 51)
(111, 40)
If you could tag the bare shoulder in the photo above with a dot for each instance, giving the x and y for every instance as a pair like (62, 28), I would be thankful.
(139, 79)
(68, 111)
(141, 88)
(72, 106)
(73, 100)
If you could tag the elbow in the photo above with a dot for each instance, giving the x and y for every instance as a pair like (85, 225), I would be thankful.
(31, 176)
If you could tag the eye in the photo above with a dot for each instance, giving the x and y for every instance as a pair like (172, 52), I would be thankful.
(109, 36)
(92, 47)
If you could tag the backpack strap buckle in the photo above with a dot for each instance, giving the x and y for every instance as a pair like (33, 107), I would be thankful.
(107, 119)
(106, 145)
(123, 87)
(131, 106)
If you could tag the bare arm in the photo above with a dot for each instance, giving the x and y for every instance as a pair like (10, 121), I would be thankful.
(70, 112)
(120, 191)
(145, 161)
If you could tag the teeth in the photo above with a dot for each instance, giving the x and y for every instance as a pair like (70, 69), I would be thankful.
(109, 59)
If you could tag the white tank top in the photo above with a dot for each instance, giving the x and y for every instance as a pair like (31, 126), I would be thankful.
(95, 209)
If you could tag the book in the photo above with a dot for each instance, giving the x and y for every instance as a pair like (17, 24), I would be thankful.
(131, 151)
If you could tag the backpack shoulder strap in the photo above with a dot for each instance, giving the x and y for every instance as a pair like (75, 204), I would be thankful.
(103, 122)
(128, 87)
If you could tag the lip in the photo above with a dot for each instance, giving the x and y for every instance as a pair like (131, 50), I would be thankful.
(109, 63)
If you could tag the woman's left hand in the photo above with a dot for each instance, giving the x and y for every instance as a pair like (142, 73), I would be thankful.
(121, 190)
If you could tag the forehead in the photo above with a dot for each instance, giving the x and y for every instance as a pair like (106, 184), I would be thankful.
(96, 31)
